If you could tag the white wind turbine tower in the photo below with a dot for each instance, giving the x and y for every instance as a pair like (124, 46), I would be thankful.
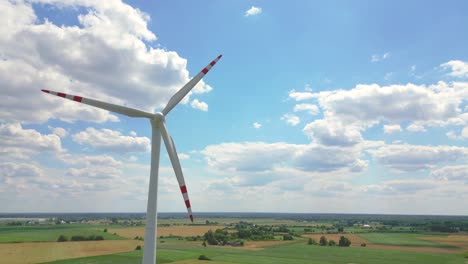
(158, 125)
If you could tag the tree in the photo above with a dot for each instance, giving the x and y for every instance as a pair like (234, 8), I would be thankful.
(288, 237)
(331, 243)
(105, 230)
(204, 243)
(340, 229)
(323, 241)
(138, 247)
(344, 242)
(62, 238)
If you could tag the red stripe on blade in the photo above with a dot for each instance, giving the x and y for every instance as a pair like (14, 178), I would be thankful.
(187, 203)
(213, 63)
(219, 57)
(183, 189)
(61, 95)
(46, 91)
(205, 71)
(191, 217)
(77, 98)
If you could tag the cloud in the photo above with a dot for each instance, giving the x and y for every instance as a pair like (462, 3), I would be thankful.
(332, 133)
(111, 39)
(380, 57)
(290, 119)
(415, 128)
(408, 158)
(257, 125)
(310, 108)
(261, 157)
(253, 11)
(18, 170)
(111, 140)
(14, 138)
(301, 96)
(389, 129)
(398, 187)
(199, 105)
(329, 158)
(451, 173)
(367, 105)
(59, 131)
(463, 134)
(458, 68)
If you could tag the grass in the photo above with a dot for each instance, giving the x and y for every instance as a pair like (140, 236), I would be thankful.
(402, 239)
(293, 253)
(50, 233)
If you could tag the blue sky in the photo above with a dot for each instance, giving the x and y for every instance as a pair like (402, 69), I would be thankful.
(331, 106)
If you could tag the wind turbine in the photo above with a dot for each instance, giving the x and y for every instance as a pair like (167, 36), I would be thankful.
(158, 125)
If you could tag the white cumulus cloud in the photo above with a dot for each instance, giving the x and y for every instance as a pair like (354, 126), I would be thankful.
(310, 108)
(106, 53)
(458, 68)
(253, 11)
(111, 140)
(199, 105)
(389, 129)
(290, 119)
(407, 158)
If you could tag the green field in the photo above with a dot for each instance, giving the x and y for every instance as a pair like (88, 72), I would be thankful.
(380, 247)
(49, 233)
(402, 239)
(295, 253)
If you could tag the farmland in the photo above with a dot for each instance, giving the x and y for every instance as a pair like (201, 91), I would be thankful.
(179, 242)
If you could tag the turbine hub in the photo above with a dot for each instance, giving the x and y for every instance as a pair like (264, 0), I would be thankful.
(159, 117)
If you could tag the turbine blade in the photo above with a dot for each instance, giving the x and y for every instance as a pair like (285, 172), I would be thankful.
(177, 97)
(106, 106)
(171, 150)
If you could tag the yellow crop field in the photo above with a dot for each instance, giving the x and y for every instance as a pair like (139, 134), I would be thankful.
(16, 253)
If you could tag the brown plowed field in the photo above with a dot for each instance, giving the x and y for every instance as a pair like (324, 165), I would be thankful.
(460, 241)
(15, 253)
(182, 231)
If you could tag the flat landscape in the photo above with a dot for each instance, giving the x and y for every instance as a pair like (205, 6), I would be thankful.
(241, 239)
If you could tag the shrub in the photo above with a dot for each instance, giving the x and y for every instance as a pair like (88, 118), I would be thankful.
(288, 237)
(331, 243)
(78, 238)
(323, 241)
(203, 257)
(311, 242)
(344, 242)
(138, 247)
(204, 243)
(62, 238)
(363, 245)
(99, 238)
(105, 230)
